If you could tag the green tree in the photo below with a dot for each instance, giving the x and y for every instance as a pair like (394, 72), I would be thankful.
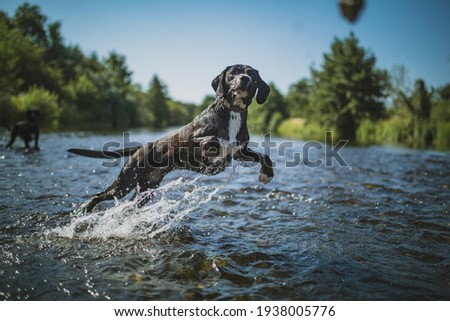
(22, 64)
(208, 100)
(57, 55)
(420, 102)
(29, 20)
(298, 100)
(178, 111)
(420, 107)
(102, 95)
(156, 103)
(444, 92)
(10, 81)
(440, 119)
(118, 79)
(348, 88)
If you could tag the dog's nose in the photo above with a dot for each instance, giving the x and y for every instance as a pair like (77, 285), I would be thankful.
(245, 80)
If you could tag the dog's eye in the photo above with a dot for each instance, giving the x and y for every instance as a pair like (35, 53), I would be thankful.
(251, 73)
(230, 77)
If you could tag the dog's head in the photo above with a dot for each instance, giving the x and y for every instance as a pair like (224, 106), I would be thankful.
(33, 115)
(237, 85)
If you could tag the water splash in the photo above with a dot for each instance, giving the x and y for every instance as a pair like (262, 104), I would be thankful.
(169, 205)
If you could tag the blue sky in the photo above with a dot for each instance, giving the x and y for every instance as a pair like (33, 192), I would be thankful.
(187, 43)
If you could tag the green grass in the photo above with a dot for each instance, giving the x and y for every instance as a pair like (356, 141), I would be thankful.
(300, 128)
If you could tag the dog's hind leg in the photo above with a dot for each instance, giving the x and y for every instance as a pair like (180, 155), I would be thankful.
(100, 197)
(13, 138)
(116, 190)
(141, 201)
(27, 146)
(148, 183)
(36, 139)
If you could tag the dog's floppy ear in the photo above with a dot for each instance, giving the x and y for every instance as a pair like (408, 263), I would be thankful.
(218, 83)
(263, 91)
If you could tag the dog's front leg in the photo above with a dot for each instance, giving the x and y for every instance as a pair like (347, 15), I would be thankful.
(246, 154)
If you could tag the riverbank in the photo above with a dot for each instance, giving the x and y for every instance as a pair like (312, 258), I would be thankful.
(394, 131)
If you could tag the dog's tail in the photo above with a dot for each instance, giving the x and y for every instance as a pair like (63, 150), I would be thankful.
(104, 153)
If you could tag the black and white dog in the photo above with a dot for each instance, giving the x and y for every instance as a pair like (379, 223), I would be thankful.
(205, 145)
(27, 130)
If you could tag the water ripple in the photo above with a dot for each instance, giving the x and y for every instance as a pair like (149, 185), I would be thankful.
(376, 230)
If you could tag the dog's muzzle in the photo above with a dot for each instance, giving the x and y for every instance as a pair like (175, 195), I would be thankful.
(240, 90)
(242, 84)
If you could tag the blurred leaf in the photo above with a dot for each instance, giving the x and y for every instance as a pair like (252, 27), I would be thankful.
(351, 9)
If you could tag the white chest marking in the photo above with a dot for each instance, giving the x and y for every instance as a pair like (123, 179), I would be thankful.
(234, 126)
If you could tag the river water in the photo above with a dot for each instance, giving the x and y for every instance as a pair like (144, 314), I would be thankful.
(375, 229)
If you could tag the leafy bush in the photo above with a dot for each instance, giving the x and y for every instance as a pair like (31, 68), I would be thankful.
(42, 100)
(302, 129)
(442, 140)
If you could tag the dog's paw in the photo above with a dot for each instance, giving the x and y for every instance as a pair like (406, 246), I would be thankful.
(264, 178)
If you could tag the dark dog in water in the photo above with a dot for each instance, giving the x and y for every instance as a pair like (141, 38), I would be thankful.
(27, 130)
(206, 145)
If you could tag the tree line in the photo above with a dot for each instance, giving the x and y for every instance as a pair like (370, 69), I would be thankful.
(347, 94)
(71, 89)
(350, 96)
